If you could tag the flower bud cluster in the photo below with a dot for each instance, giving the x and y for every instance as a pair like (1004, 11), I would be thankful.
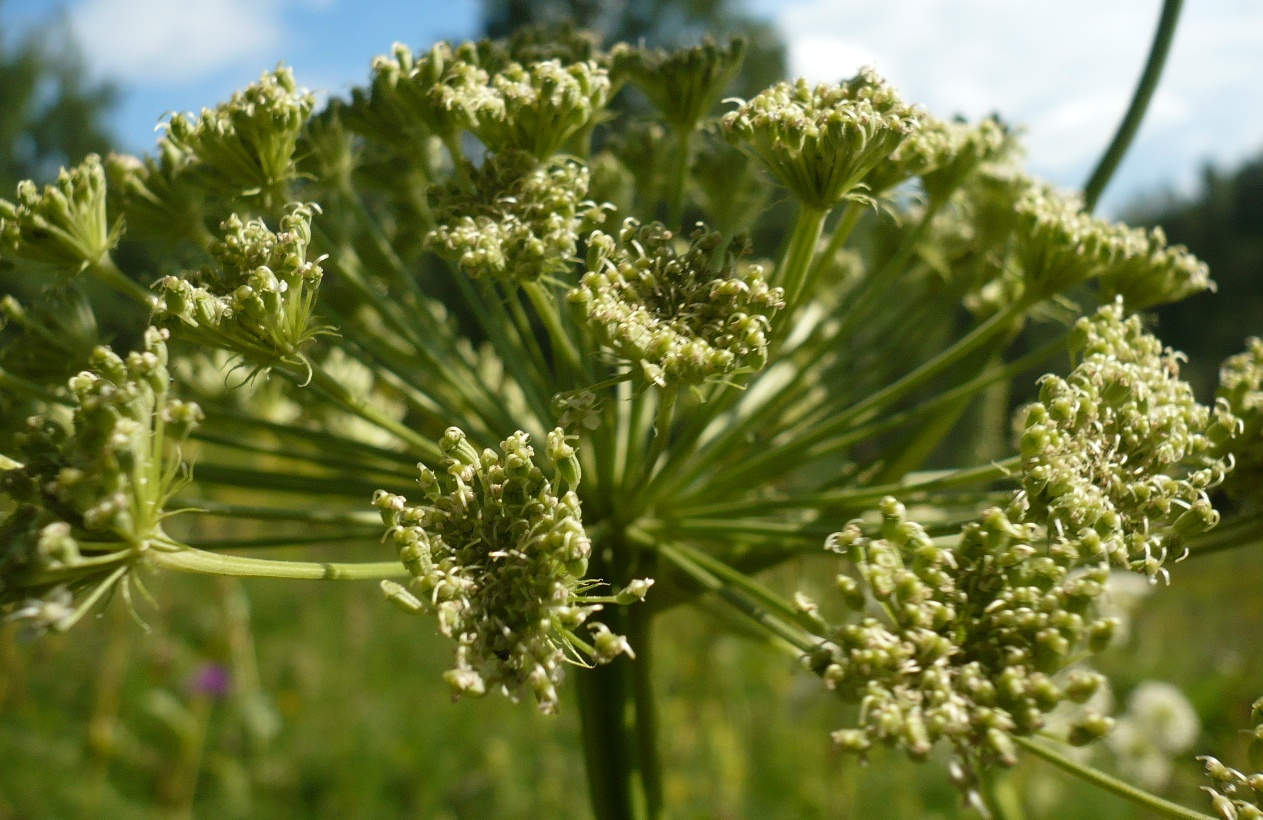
(1241, 386)
(976, 641)
(522, 221)
(259, 301)
(534, 108)
(1235, 795)
(498, 555)
(96, 481)
(1060, 245)
(684, 317)
(820, 142)
(1118, 457)
(60, 231)
(942, 153)
(683, 84)
(1147, 272)
(246, 145)
(412, 97)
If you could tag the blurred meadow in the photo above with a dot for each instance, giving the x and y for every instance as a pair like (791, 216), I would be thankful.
(237, 699)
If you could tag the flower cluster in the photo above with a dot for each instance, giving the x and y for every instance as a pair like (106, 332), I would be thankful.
(246, 145)
(683, 317)
(977, 637)
(1238, 796)
(1060, 245)
(60, 231)
(1241, 386)
(820, 142)
(498, 554)
(942, 153)
(259, 301)
(90, 485)
(1119, 456)
(534, 108)
(412, 97)
(684, 84)
(522, 221)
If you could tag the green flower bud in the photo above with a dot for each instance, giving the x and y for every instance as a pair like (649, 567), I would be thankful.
(103, 475)
(522, 221)
(245, 147)
(534, 108)
(684, 317)
(259, 301)
(58, 233)
(498, 555)
(821, 142)
(684, 84)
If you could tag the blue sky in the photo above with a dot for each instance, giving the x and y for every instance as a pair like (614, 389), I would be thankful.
(1062, 68)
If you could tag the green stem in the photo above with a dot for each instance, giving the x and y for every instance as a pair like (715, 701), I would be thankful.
(17, 384)
(791, 274)
(334, 462)
(1127, 129)
(875, 285)
(998, 795)
(607, 708)
(1242, 532)
(334, 389)
(640, 636)
(546, 309)
(310, 516)
(661, 429)
(862, 496)
(783, 634)
(227, 475)
(679, 178)
(187, 559)
(776, 460)
(1144, 799)
(234, 420)
(108, 273)
(837, 240)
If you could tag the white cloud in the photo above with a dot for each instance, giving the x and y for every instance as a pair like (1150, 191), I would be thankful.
(1063, 68)
(163, 42)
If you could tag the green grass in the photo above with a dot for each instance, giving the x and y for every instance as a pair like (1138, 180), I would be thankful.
(366, 728)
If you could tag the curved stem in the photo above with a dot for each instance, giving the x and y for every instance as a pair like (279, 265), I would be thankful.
(1139, 104)
(1155, 804)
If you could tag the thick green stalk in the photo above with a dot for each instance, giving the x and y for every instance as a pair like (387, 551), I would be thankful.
(791, 274)
(1127, 129)
(1153, 803)
(640, 635)
(607, 711)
